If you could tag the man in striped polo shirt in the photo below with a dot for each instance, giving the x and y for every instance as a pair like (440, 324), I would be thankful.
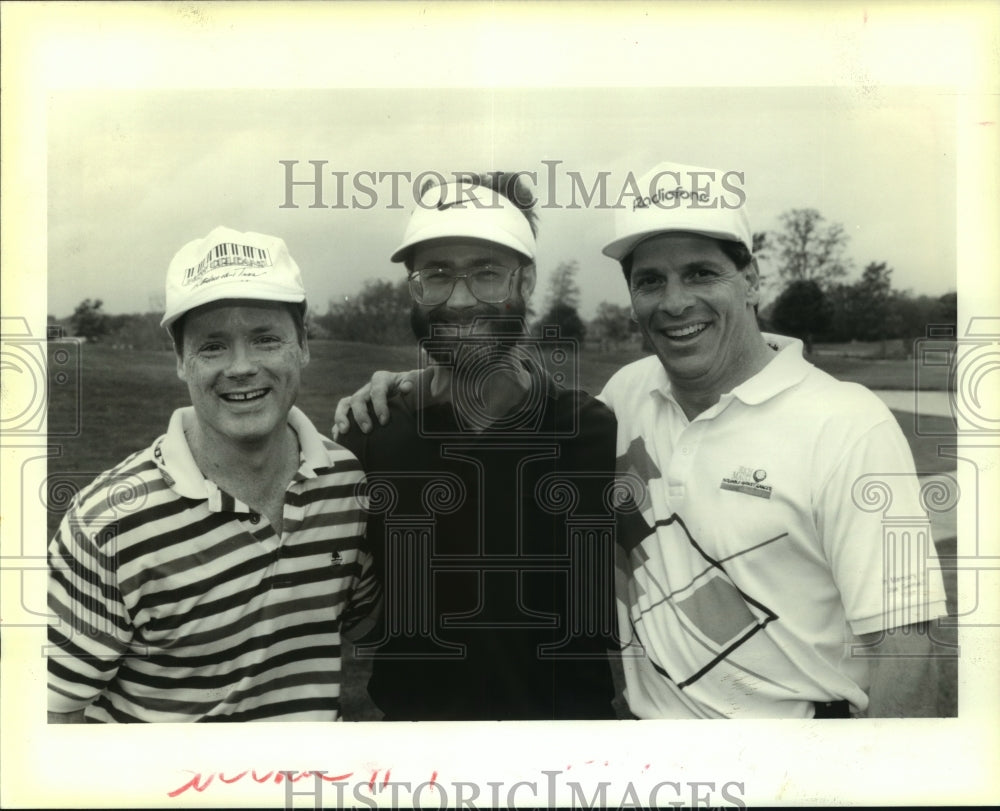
(209, 576)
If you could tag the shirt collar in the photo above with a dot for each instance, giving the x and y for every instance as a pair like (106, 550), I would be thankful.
(177, 466)
(313, 452)
(784, 370)
(659, 382)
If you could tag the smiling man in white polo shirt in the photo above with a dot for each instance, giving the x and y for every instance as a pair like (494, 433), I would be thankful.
(752, 581)
(209, 576)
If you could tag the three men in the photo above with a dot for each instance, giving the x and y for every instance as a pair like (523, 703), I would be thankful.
(753, 580)
(488, 520)
(209, 576)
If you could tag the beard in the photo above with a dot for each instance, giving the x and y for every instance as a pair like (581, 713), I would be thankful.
(431, 328)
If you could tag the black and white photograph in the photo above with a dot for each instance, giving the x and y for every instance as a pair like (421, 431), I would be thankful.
(610, 390)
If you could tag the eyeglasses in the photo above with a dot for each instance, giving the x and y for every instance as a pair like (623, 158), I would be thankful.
(490, 284)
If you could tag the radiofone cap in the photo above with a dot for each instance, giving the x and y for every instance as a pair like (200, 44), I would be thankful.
(230, 264)
(465, 210)
(674, 197)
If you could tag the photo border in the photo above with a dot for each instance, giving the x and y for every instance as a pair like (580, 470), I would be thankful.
(50, 46)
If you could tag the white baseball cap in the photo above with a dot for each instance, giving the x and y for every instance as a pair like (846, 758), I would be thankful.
(230, 264)
(675, 197)
(466, 210)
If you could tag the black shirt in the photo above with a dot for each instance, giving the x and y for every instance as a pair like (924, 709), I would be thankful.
(495, 550)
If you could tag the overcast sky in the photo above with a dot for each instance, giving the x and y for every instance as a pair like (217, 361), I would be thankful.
(134, 174)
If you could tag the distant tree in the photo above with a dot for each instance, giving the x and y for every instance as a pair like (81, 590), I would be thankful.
(914, 314)
(810, 249)
(567, 319)
(89, 321)
(379, 314)
(945, 312)
(137, 331)
(875, 313)
(563, 288)
(612, 324)
(563, 302)
(802, 311)
(908, 319)
(841, 313)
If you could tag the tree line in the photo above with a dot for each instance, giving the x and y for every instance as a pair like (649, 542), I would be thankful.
(380, 311)
(816, 302)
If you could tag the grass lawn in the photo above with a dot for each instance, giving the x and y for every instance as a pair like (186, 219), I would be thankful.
(125, 399)
(597, 367)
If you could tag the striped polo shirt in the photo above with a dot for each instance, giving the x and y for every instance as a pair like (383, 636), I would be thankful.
(174, 601)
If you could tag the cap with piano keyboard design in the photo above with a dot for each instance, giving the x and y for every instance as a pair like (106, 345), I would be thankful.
(230, 264)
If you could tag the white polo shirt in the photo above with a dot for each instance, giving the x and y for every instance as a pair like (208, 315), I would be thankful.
(762, 543)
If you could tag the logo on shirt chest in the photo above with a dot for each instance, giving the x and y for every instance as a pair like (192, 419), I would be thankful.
(748, 481)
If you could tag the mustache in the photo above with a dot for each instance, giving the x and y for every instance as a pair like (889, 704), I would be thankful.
(445, 315)
(509, 321)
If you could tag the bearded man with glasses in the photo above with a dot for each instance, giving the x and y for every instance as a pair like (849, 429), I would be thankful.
(488, 487)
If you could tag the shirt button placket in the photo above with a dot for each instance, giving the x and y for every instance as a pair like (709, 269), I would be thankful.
(684, 457)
